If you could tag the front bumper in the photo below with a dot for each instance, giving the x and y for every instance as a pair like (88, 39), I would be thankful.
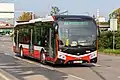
(61, 61)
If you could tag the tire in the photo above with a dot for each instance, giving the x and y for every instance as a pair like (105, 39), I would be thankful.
(94, 60)
(21, 53)
(42, 57)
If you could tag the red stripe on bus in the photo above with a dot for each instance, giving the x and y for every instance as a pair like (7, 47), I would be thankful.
(70, 58)
(36, 54)
(54, 18)
(26, 51)
(56, 47)
(14, 49)
(49, 59)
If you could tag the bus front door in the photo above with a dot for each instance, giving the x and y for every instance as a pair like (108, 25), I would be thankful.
(51, 44)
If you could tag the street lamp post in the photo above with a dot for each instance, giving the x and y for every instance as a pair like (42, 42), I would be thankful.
(113, 25)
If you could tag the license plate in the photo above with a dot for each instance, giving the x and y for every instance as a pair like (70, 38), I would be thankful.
(77, 62)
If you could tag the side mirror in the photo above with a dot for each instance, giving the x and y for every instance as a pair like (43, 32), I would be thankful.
(56, 27)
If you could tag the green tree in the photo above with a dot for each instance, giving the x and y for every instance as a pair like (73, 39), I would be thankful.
(55, 10)
(116, 14)
(26, 16)
(103, 23)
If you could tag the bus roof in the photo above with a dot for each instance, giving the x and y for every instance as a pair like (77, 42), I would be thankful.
(45, 19)
(56, 17)
(29, 22)
(73, 17)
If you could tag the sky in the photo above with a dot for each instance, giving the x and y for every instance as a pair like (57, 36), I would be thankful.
(73, 6)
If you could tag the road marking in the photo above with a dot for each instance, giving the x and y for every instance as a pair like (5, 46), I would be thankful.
(47, 67)
(119, 77)
(97, 65)
(76, 77)
(3, 76)
(34, 63)
(6, 75)
(10, 54)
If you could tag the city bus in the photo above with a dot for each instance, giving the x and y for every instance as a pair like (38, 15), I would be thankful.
(58, 39)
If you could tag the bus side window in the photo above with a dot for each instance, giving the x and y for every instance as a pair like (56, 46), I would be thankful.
(26, 36)
(38, 40)
(37, 36)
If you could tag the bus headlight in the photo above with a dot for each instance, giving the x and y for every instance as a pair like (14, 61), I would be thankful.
(62, 57)
(74, 43)
(93, 55)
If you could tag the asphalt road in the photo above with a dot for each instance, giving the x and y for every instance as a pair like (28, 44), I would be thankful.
(107, 68)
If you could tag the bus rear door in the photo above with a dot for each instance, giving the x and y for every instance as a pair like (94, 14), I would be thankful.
(31, 45)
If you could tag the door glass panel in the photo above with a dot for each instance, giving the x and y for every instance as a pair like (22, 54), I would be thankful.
(31, 48)
(51, 43)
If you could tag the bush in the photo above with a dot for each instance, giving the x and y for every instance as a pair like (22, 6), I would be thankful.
(106, 40)
(103, 23)
(111, 51)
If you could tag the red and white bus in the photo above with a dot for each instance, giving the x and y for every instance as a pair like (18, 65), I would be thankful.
(59, 39)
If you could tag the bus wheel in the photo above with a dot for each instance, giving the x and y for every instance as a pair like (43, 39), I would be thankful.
(42, 58)
(95, 60)
(21, 53)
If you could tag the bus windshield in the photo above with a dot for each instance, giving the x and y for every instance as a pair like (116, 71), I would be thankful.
(74, 33)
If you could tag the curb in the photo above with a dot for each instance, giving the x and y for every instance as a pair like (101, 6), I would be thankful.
(6, 75)
(111, 54)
